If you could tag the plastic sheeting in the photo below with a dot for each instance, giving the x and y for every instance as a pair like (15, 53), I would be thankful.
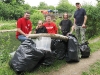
(43, 43)
(85, 49)
(73, 49)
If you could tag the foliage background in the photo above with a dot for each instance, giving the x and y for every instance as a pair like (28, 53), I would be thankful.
(14, 9)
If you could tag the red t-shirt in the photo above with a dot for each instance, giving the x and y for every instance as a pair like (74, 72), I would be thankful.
(51, 27)
(25, 25)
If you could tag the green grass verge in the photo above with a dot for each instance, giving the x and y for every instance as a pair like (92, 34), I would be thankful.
(94, 69)
(8, 44)
(94, 46)
(8, 25)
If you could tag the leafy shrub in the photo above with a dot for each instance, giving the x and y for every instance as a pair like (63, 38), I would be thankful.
(37, 16)
(93, 23)
(57, 23)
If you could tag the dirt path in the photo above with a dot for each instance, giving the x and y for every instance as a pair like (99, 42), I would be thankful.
(77, 68)
(94, 40)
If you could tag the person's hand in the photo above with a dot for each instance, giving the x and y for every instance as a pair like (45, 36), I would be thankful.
(27, 35)
(37, 27)
(73, 26)
(83, 26)
(34, 32)
(68, 33)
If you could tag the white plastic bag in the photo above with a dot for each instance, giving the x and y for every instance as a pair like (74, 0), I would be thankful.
(43, 43)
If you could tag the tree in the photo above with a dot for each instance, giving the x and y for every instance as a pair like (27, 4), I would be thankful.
(51, 7)
(98, 1)
(13, 1)
(20, 1)
(42, 5)
(65, 6)
(6, 1)
(93, 24)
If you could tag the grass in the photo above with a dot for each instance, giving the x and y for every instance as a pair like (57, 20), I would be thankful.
(7, 24)
(8, 44)
(95, 46)
(94, 69)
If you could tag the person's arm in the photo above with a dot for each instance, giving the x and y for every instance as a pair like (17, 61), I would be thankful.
(34, 32)
(85, 19)
(74, 21)
(30, 32)
(21, 32)
(72, 29)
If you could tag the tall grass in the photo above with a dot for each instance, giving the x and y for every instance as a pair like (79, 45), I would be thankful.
(8, 44)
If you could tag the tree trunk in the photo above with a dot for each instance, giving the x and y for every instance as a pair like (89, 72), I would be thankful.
(53, 36)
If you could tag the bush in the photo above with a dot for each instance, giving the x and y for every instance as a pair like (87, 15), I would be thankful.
(35, 17)
(93, 23)
(57, 23)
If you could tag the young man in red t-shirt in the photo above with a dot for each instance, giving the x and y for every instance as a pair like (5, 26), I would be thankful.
(50, 26)
(24, 27)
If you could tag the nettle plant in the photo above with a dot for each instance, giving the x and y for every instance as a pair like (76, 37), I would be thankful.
(4, 48)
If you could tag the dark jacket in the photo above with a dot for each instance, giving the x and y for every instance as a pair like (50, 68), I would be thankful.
(41, 30)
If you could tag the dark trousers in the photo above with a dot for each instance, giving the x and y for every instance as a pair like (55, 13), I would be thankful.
(64, 33)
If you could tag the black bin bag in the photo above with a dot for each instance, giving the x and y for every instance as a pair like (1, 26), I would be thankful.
(85, 50)
(26, 57)
(48, 58)
(73, 49)
(59, 48)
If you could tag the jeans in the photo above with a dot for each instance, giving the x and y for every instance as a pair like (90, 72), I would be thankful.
(80, 33)
(22, 38)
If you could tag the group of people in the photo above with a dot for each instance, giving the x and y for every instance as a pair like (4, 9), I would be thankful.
(24, 25)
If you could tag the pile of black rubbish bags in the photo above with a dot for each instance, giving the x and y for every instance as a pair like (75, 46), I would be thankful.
(29, 55)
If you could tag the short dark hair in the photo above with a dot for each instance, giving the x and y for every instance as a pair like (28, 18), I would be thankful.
(27, 12)
(77, 3)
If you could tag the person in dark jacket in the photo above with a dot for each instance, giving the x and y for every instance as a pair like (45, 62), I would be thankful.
(40, 28)
(66, 25)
